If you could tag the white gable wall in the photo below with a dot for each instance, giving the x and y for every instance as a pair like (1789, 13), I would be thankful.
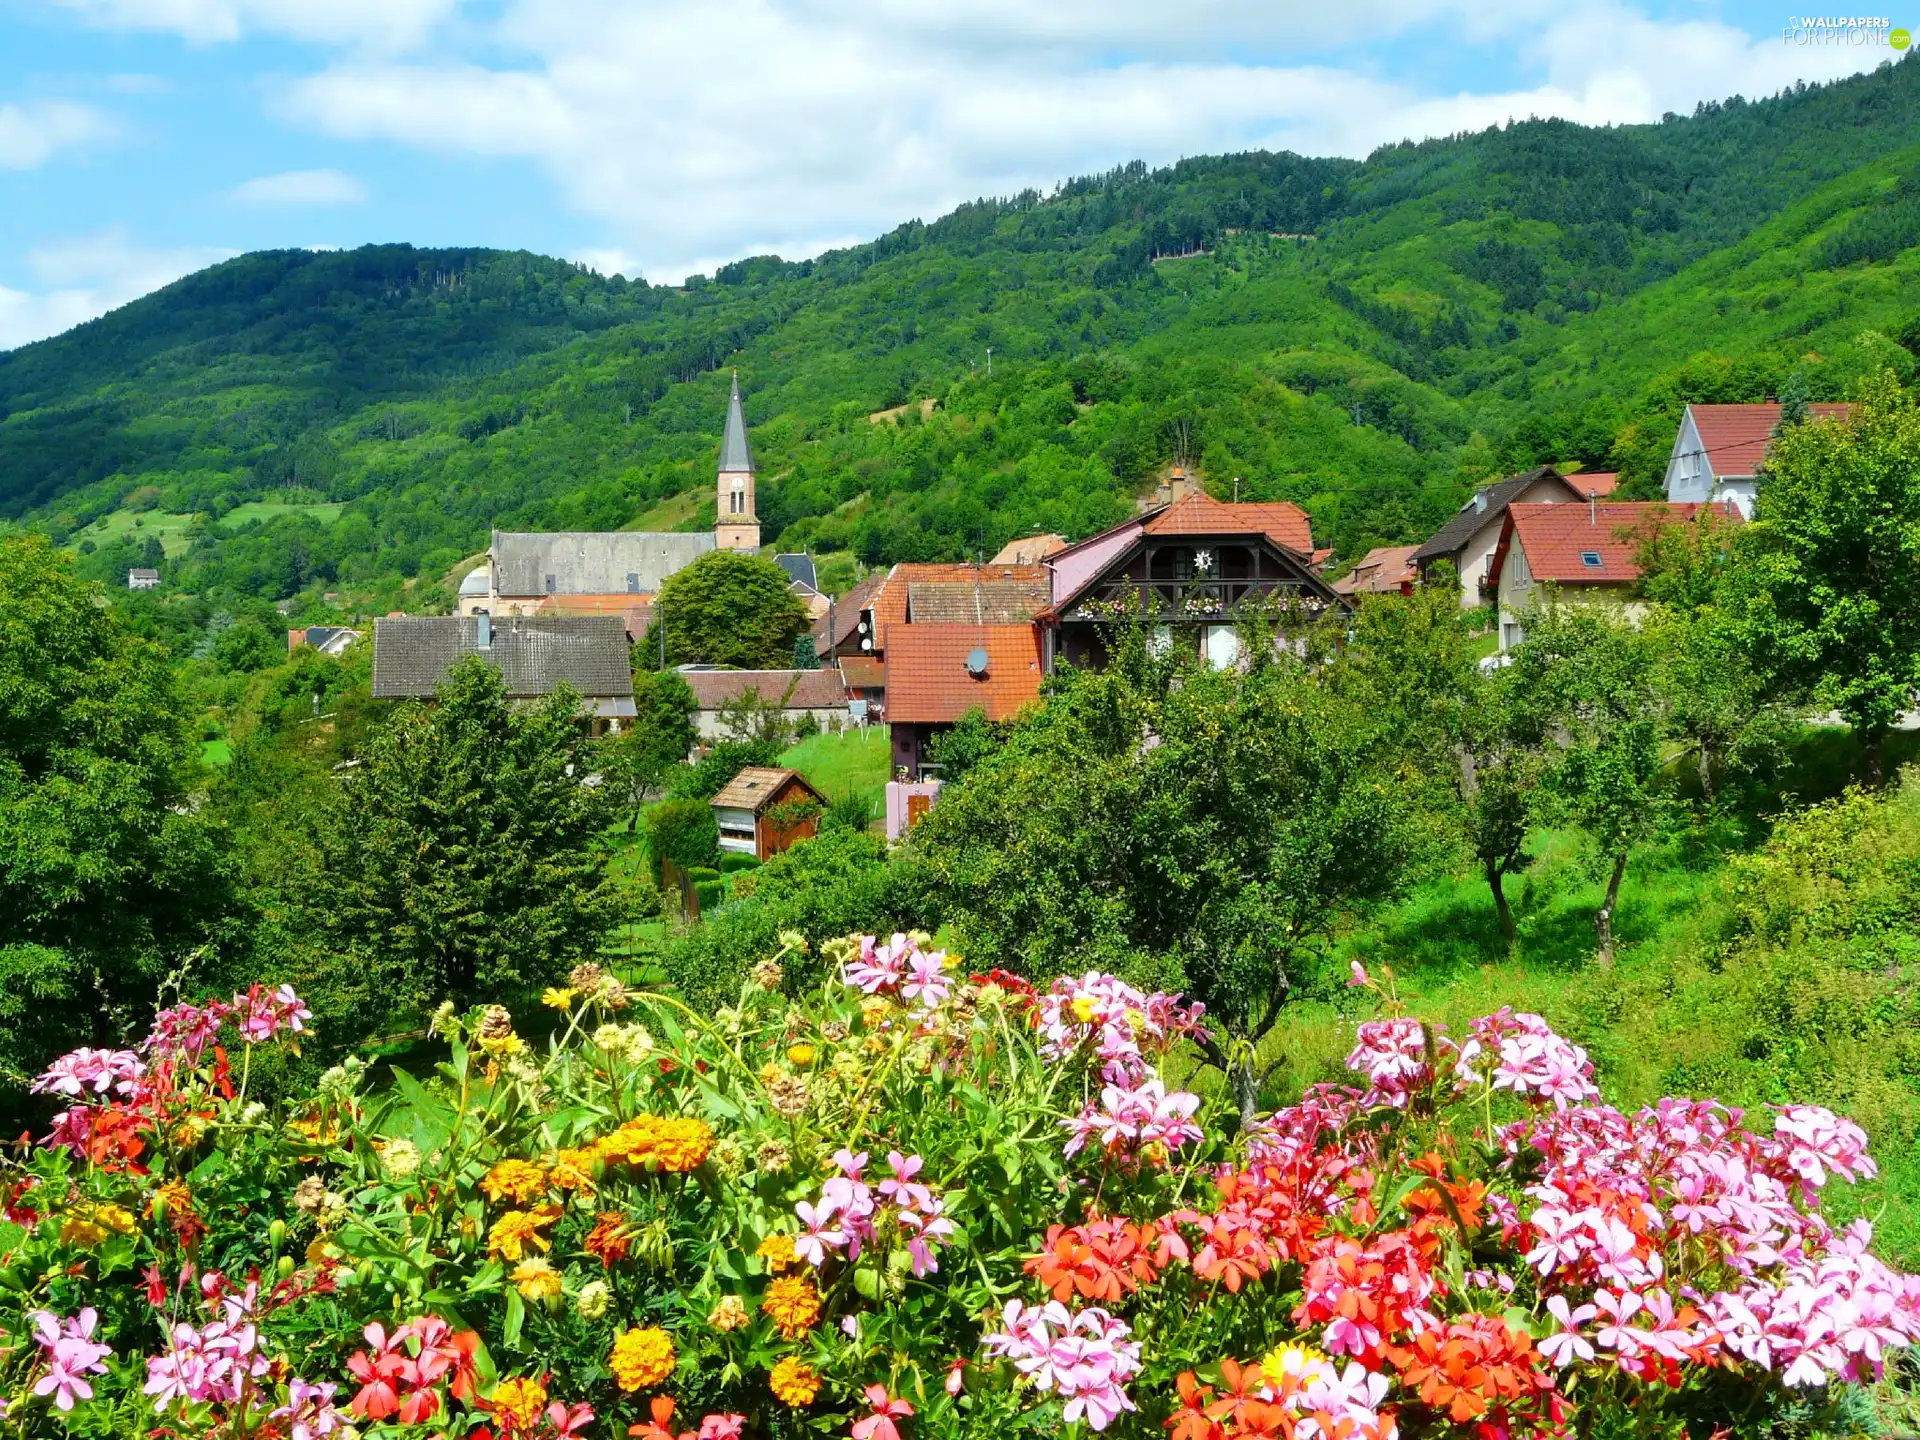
(1476, 556)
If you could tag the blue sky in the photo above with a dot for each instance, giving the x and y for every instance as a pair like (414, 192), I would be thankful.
(141, 139)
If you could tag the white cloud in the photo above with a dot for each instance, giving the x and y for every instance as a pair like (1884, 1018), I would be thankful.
(33, 132)
(374, 24)
(692, 131)
(88, 276)
(302, 187)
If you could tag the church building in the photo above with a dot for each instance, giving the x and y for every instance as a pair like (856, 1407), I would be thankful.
(580, 572)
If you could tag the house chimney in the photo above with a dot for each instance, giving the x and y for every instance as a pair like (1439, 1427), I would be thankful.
(1593, 508)
(483, 630)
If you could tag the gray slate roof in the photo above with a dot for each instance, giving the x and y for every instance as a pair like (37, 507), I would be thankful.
(735, 454)
(1484, 508)
(799, 570)
(534, 654)
(592, 562)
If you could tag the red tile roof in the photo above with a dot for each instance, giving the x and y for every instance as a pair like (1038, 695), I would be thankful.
(1197, 513)
(1383, 570)
(863, 672)
(799, 689)
(927, 679)
(635, 610)
(1595, 482)
(889, 602)
(1558, 538)
(1736, 436)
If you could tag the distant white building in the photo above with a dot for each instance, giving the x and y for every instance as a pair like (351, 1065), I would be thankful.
(143, 579)
(1720, 449)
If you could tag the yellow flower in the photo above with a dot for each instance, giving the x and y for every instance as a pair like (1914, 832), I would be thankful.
(572, 1170)
(794, 1382)
(777, 1250)
(1083, 1009)
(1290, 1358)
(515, 1180)
(91, 1224)
(559, 999)
(517, 1229)
(793, 1304)
(729, 1314)
(115, 1217)
(801, 1054)
(642, 1358)
(84, 1233)
(674, 1143)
(518, 1402)
(537, 1280)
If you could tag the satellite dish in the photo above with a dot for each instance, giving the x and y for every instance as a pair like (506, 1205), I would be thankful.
(977, 662)
(866, 644)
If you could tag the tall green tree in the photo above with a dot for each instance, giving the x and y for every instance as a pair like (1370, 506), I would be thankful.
(463, 859)
(1828, 575)
(637, 762)
(728, 608)
(1204, 827)
(107, 878)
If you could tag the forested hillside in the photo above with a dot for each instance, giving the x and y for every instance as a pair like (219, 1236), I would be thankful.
(1365, 338)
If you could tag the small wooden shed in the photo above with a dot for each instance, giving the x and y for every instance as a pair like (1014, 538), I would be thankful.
(750, 811)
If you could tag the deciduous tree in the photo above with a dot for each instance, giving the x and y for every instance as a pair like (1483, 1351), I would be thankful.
(728, 608)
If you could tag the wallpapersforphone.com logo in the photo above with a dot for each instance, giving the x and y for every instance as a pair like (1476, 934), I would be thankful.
(1861, 31)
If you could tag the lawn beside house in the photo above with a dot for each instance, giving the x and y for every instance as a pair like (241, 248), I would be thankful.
(854, 760)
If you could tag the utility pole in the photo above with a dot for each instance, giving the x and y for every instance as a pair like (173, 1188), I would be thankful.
(661, 621)
(989, 362)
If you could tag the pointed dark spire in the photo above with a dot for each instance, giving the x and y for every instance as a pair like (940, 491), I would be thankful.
(735, 455)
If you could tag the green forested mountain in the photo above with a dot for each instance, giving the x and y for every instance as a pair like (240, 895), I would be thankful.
(1365, 338)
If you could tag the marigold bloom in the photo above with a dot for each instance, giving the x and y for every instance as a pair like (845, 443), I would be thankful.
(515, 1180)
(572, 1170)
(729, 1314)
(793, 1304)
(801, 1054)
(537, 1280)
(518, 1402)
(642, 1358)
(517, 1229)
(777, 1250)
(673, 1143)
(794, 1382)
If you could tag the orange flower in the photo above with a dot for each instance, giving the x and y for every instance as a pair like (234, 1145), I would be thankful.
(777, 1250)
(572, 1170)
(793, 1304)
(642, 1358)
(515, 1180)
(514, 1231)
(609, 1240)
(1103, 1260)
(673, 1143)
(794, 1382)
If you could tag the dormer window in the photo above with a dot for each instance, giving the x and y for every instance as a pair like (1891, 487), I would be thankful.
(1591, 559)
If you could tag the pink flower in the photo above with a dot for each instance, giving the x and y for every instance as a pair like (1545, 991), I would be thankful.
(260, 1013)
(1567, 1344)
(71, 1354)
(886, 1409)
(186, 1030)
(1357, 975)
(309, 1412)
(722, 1427)
(83, 1070)
(570, 1420)
(927, 979)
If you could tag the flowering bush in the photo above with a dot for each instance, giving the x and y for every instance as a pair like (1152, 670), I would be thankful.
(915, 1203)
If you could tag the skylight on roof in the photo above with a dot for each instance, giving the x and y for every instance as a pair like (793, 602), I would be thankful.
(1591, 559)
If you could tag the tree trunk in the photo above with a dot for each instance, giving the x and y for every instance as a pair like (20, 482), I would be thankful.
(1870, 742)
(1706, 775)
(1496, 882)
(1246, 1089)
(1603, 918)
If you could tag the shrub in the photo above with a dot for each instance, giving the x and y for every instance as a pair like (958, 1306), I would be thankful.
(708, 776)
(683, 831)
(850, 810)
(733, 861)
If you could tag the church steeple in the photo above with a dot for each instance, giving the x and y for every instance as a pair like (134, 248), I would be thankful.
(735, 525)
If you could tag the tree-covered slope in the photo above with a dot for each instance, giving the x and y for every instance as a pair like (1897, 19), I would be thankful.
(1364, 338)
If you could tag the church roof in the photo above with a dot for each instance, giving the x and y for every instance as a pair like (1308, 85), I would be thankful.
(736, 456)
(575, 562)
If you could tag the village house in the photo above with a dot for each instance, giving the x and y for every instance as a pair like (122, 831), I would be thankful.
(1467, 541)
(327, 639)
(1720, 449)
(535, 655)
(1383, 570)
(1197, 561)
(1582, 552)
(763, 810)
(1031, 550)
(577, 572)
(804, 581)
(142, 578)
(936, 673)
(818, 696)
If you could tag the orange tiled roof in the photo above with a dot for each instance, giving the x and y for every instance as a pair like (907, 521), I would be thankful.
(1382, 570)
(1595, 482)
(1197, 513)
(636, 610)
(1558, 538)
(863, 672)
(889, 602)
(927, 679)
(1736, 436)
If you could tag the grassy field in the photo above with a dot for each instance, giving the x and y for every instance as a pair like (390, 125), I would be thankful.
(217, 753)
(325, 512)
(125, 524)
(855, 760)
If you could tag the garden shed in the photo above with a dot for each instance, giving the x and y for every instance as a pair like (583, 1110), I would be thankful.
(764, 810)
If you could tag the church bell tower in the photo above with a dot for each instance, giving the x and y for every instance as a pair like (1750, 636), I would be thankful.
(735, 525)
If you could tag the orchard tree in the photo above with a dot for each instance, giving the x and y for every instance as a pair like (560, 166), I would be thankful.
(1162, 816)
(463, 859)
(1828, 574)
(108, 879)
(727, 608)
(1581, 694)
